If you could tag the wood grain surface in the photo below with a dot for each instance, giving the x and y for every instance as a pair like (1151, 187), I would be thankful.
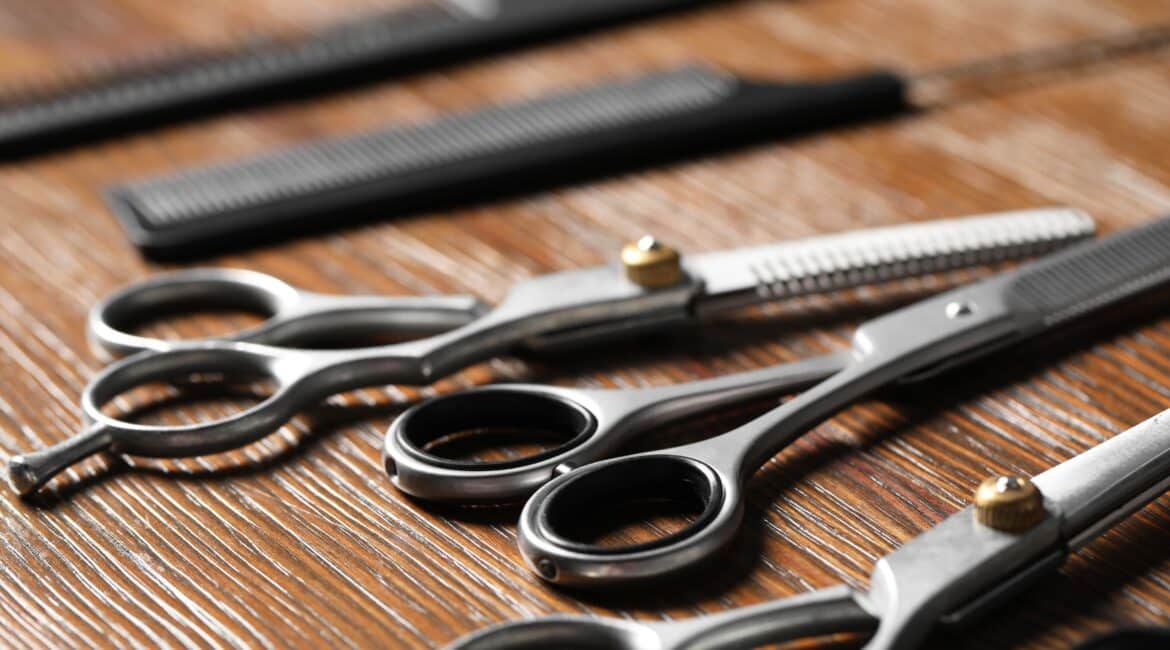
(300, 539)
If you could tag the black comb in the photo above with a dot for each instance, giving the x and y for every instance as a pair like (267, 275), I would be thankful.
(136, 95)
(484, 152)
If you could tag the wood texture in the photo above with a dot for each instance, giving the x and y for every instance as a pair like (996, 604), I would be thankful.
(300, 540)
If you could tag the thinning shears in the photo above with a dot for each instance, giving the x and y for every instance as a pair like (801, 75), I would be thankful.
(558, 310)
(951, 574)
(558, 528)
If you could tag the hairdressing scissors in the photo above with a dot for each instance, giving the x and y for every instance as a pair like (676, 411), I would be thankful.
(908, 344)
(1017, 531)
(657, 290)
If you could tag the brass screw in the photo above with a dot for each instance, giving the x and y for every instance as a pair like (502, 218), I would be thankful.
(1012, 504)
(650, 263)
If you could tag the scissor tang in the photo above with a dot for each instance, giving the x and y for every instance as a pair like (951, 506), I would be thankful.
(923, 338)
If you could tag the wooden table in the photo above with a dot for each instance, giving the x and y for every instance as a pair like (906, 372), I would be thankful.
(300, 539)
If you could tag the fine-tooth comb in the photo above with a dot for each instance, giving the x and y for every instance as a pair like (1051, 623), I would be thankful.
(572, 134)
(391, 162)
(137, 93)
(487, 150)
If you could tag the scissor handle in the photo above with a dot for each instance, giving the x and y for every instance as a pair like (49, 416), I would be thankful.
(585, 425)
(554, 529)
(709, 475)
(292, 314)
(300, 378)
(570, 418)
(825, 611)
(292, 371)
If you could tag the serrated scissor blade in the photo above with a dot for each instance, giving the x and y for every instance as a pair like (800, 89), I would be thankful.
(864, 257)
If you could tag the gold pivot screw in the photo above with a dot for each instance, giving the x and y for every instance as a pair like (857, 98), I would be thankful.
(650, 263)
(1012, 504)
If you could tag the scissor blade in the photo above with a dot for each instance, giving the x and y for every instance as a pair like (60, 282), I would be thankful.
(1109, 482)
(833, 262)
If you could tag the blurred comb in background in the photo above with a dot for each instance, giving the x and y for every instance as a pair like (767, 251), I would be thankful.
(565, 136)
(135, 92)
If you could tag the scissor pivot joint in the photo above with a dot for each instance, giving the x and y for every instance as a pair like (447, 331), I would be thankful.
(1009, 503)
(651, 264)
(960, 308)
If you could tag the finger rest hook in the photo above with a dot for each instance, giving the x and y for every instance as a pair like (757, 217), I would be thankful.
(28, 472)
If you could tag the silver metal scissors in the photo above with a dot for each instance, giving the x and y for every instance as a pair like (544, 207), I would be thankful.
(1017, 531)
(654, 289)
(908, 344)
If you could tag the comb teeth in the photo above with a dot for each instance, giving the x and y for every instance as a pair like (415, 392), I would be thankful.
(391, 156)
(1097, 273)
(881, 255)
(142, 86)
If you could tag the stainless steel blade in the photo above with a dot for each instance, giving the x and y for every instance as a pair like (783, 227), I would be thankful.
(1109, 482)
(863, 257)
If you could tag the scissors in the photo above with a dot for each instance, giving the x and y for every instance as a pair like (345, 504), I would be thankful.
(558, 525)
(1017, 531)
(653, 289)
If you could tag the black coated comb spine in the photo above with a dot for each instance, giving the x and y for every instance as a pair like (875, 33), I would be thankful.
(134, 96)
(1095, 274)
(500, 149)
